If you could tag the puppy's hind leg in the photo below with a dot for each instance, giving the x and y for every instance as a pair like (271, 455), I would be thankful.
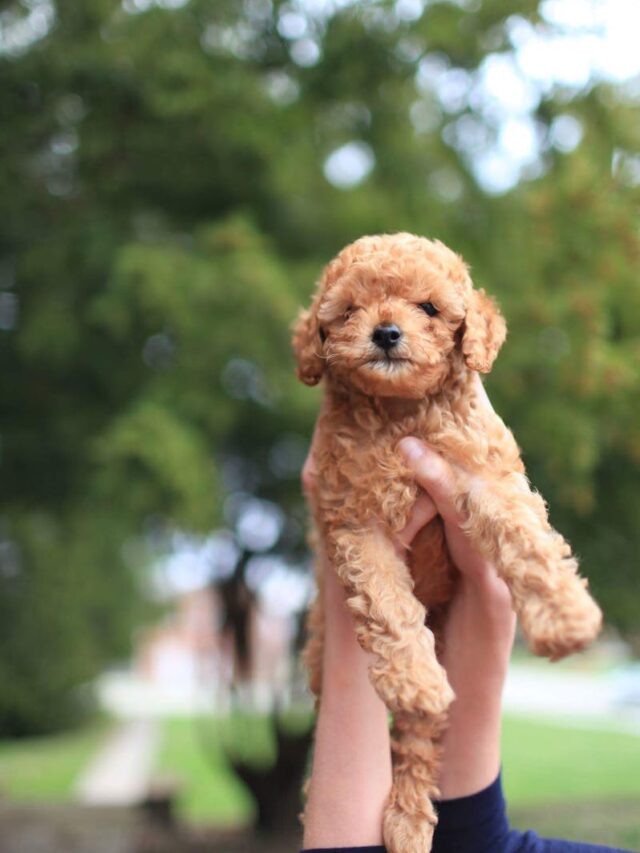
(417, 758)
(313, 650)
(390, 623)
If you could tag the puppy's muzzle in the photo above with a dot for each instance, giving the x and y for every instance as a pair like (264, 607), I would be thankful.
(386, 336)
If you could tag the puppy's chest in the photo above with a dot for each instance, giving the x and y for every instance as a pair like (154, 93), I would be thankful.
(362, 476)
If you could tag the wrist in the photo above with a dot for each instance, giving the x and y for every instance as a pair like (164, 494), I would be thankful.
(477, 647)
(471, 748)
(482, 621)
(343, 656)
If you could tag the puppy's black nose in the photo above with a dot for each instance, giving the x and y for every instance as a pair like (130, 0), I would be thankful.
(386, 336)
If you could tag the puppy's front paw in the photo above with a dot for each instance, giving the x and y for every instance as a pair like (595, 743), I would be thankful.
(559, 625)
(413, 682)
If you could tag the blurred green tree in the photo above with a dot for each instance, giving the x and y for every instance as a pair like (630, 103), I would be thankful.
(172, 177)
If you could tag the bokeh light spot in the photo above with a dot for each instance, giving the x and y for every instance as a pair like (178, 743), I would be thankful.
(305, 52)
(349, 165)
(565, 133)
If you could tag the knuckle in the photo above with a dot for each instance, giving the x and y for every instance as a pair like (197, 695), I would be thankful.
(308, 478)
(437, 475)
(424, 510)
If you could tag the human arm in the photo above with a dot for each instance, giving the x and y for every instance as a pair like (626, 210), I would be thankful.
(478, 636)
(347, 793)
(351, 774)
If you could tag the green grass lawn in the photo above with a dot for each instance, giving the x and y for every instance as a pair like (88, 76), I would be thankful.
(611, 823)
(543, 763)
(558, 780)
(45, 768)
(193, 752)
(573, 783)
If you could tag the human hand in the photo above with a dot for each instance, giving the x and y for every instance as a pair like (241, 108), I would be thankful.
(480, 618)
(478, 636)
(493, 616)
(352, 771)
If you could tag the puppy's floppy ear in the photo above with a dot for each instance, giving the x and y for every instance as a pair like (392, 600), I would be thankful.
(308, 334)
(484, 331)
(308, 338)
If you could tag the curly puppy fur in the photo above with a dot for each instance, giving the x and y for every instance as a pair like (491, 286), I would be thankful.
(423, 386)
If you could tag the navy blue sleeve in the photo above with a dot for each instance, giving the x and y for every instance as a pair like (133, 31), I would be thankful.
(478, 824)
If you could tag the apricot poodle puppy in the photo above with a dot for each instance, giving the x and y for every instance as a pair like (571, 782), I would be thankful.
(399, 333)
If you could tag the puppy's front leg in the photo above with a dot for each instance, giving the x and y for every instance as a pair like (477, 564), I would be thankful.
(390, 623)
(509, 524)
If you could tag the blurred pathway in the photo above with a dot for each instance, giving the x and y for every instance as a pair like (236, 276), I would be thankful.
(119, 774)
(581, 699)
(595, 698)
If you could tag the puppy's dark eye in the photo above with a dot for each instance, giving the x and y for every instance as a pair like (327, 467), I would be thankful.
(429, 308)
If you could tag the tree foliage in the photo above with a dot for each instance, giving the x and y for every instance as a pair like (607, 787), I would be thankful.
(164, 208)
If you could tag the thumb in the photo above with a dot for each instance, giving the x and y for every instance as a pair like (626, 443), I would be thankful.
(433, 474)
(423, 511)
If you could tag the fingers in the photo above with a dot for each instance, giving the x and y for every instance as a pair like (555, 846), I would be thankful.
(439, 479)
(308, 476)
(434, 475)
(423, 511)
(481, 394)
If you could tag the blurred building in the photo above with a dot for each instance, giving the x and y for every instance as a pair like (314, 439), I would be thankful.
(191, 651)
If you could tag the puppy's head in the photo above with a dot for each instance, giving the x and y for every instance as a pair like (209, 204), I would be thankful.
(392, 315)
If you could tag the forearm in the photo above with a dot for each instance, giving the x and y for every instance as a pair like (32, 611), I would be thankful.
(351, 775)
(477, 646)
(478, 824)
(352, 771)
